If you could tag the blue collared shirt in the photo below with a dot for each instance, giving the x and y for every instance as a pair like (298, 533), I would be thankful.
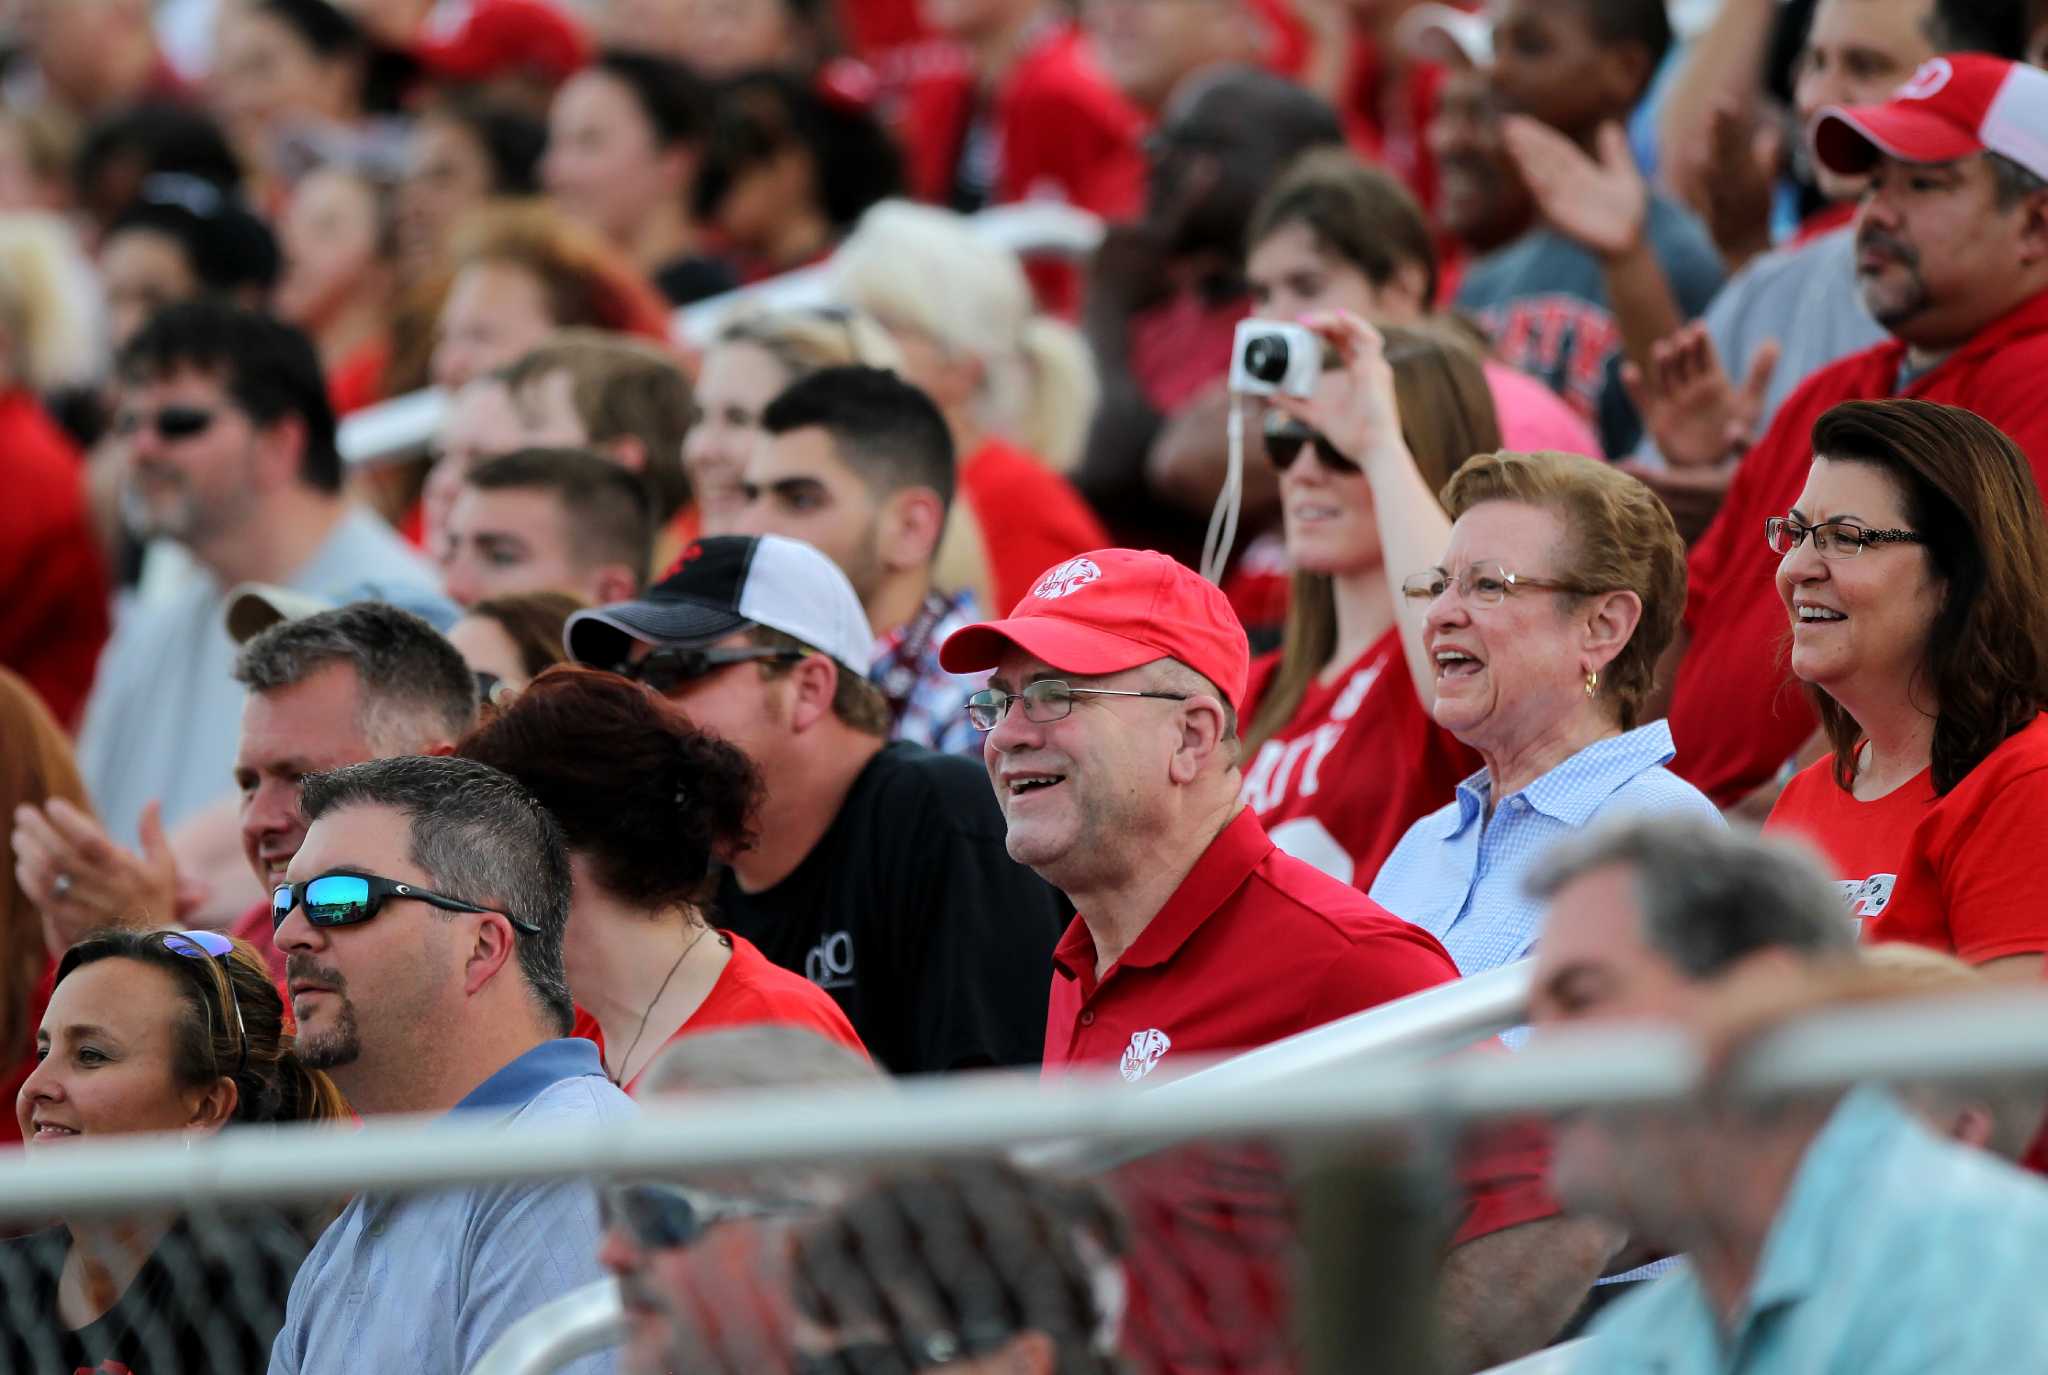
(1459, 875)
(429, 1282)
(1894, 1253)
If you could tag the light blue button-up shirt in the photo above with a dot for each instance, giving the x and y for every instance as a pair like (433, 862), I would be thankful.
(1459, 874)
(1894, 1253)
(428, 1283)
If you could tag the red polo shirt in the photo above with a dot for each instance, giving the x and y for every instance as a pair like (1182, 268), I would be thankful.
(1737, 714)
(1252, 947)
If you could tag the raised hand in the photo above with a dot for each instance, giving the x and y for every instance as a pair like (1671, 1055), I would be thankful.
(80, 880)
(1353, 405)
(1742, 170)
(1602, 206)
(1688, 403)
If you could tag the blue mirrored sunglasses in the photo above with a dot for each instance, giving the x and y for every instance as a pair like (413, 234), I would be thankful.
(345, 899)
(211, 945)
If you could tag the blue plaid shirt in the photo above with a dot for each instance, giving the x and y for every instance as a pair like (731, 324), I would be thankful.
(1459, 875)
(1894, 1253)
(933, 711)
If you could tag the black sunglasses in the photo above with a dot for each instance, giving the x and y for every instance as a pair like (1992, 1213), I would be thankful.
(665, 670)
(1286, 437)
(663, 1217)
(171, 423)
(344, 899)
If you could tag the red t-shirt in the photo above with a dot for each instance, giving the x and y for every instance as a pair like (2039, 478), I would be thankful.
(1252, 947)
(1358, 764)
(751, 991)
(1386, 112)
(1031, 518)
(1956, 872)
(1062, 131)
(53, 579)
(1736, 712)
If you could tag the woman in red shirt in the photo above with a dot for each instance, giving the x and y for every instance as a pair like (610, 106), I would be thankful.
(648, 806)
(1914, 572)
(1344, 755)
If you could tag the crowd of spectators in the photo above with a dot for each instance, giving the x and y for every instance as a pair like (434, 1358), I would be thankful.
(785, 664)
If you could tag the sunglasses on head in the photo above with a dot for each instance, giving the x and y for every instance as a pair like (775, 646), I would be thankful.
(211, 945)
(1286, 437)
(665, 670)
(664, 1217)
(344, 899)
(171, 423)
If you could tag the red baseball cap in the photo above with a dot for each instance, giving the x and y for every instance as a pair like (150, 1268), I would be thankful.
(1110, 610)
(492, 38)
(1954, 107)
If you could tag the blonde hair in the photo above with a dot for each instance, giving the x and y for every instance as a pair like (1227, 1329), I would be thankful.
(1618, 537)
(807, 341)
(930, 270)
(49, 303)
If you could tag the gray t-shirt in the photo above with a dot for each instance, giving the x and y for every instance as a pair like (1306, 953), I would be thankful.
(1803, 296)
(165, 714)
(1543, 300)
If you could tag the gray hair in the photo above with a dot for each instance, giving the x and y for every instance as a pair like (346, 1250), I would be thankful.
(416, 689)
(481, 838)
(2011, 183)
(1710, 894)
(761, 1056)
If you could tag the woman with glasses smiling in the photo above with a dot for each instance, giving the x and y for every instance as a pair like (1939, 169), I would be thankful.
(172, 1032)
(1534, 641)
(1914, 573)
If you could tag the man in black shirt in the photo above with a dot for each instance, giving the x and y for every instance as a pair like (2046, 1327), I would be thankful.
(879, 870)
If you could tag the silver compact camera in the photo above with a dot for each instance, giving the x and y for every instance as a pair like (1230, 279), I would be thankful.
(1268, 359)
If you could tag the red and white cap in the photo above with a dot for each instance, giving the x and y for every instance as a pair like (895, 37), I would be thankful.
(1954, 107)
(1111, 610)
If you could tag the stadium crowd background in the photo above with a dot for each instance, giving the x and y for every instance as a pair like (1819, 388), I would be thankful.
(1653, 582)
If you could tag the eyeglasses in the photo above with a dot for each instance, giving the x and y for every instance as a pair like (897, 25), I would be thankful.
(664, 1217)
(1482, 584)
(211, 945)
(171, 423)
(665, 670)
(345, 899)
(1832, 539)
(1286, 437)
(1045, 701)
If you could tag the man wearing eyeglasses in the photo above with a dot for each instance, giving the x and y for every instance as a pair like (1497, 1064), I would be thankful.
(878, 868)
(230, 457)
(1113, 749)
(422, 924)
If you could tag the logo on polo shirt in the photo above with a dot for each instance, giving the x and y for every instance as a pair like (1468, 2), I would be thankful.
(1068, 578)
(1143, 1053)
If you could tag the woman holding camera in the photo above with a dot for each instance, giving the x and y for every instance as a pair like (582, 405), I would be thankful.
(1914, 572)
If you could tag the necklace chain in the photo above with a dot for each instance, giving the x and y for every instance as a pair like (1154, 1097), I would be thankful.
(627, 1059)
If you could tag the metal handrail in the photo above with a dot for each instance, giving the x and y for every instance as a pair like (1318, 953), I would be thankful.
(404, 425)
(580, 1323)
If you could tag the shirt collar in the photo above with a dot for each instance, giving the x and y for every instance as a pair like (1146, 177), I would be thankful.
(1239, 848)
(1576, 787)
(520, 1082)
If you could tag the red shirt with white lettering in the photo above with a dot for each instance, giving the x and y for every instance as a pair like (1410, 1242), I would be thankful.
(750, 990)
(1736, 712)
(1956, 872)
(1252, 947)
(1358, 764)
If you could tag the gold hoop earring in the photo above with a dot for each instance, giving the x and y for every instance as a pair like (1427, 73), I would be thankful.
(1592, 683)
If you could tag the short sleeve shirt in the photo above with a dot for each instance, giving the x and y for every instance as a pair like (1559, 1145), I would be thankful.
(1359, 763)
(1955, 872)
(910, 912)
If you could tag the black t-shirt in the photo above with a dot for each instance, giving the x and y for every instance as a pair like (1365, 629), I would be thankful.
(912, 915)
(208, 1301)
(692, 278)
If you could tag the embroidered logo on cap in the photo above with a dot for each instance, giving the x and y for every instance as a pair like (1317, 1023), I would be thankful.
(1069, 577)
(1928, 82)
(1142, 1055)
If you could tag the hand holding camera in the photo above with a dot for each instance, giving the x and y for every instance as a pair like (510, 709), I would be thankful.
(1348, 399)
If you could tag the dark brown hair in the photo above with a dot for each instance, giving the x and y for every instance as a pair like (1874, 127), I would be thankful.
(1356, 212)
(273, 1083)
(1619, 537)
(1970, 493)
(533, 621)
(651, 801)
(1447, 416)
(622, 388)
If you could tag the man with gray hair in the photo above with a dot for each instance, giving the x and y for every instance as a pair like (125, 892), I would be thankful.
(363, 681)
(1825, 1233)
(422, 926)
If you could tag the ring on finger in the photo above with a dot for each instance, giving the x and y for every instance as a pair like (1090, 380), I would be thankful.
(62, 887)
